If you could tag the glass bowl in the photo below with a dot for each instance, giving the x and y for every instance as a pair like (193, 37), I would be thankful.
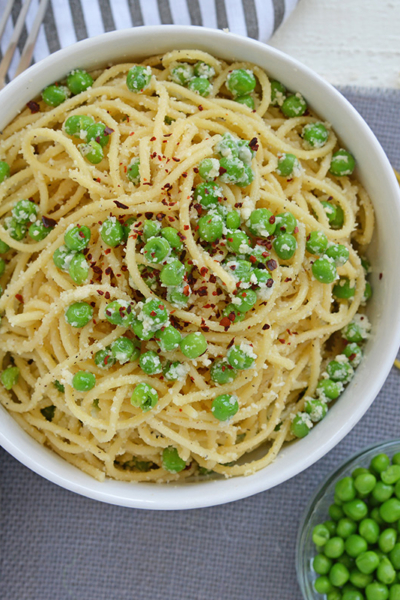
(317, 512)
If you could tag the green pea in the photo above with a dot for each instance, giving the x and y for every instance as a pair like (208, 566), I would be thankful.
(334, 595)
(317, 242)
(316, 409)
(138, 78)
(335, 513)
(210, 227)
(331, 527)
(355, 509)
(320, 535)
(9, 377)
(343, 289)
(330, 210)
(157, 250)
(327, 389)
(376, 516)
(104, 359)
(285, 223)
(83, 381)
(182, 73)
(285, 246)
(77, 125)
(16, 230)
(261, 222)
(224, 407)
(294, 106)
(278, 93)
(2, 266)
(155, 314)
(79, 314)
(340, 370)
(342, 163)
(4, 247)
(394, 556)
(233, 220)
(300, 425)
(112, 232)
(78, 81)
(228, 146)
(382, 491)
(262, 277)
(172, 237)
(391, 474)
(352, 595)
(193, 345)
(321, 564)
(150, 363)
(99, 133)
(247, 100)
(168, 338)
(240, 82)
(172, 273)
(380, 463)
(360, 580)
(119, 312)
(237, 241)
(394, 592)
(247, 298)
(345, 490)
(77, 238)
(367, 562)
(339, 253)
(209, 169)
(346, 527)
(177, 297)
(208, 194)
(355, 545)
(288, 165)
(79, 268)
(387, 540)
(62, 257)
(346, 560)
(235, 172)
(139, 330)
(377, 591)
(359, 471)
(174, 371)
(144, 396)
(339, 575)
(334, 547)
(122, 349)
(151, 229)
(367, 292)
(338, 220)
(38, 231)
(133, 171)
(315, 135)
(25, 211)
(54, 95)
(365, 483)
(385, 572)
(397, 490)
(171, 461)
(201, 86)
(322, 585)
(4, 170)
(222, 372)
(202, 69)
(92, 151)
(357, 330)
(48, 412)
(240, 357)
(324, 270)
(390, 510)
(369, 530)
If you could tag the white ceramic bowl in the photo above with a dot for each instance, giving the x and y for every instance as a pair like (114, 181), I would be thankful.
(375, 173)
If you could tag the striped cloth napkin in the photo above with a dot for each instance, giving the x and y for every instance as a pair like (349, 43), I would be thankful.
(68, 21)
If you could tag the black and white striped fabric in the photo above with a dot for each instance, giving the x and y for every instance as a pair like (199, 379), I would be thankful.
(68, 21)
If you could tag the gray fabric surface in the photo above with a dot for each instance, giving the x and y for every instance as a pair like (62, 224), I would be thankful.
(56, 545)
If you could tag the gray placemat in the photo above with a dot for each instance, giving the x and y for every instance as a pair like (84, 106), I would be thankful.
(56, 545)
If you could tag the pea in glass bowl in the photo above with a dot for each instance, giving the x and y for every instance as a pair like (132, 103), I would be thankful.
(317, 512)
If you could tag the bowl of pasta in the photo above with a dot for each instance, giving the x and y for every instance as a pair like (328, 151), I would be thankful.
(191, 227)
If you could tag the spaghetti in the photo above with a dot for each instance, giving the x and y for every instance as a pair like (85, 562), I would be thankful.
(182, 277)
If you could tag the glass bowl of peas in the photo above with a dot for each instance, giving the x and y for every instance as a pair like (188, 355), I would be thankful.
(348, 545)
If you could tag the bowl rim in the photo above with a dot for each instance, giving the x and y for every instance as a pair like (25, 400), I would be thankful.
(168, 498)
(318, 495)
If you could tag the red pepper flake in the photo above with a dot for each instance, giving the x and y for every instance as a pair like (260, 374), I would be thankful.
(231, 343)
(352, 356)
(282, 341)
(200, 107)
(161, 306)
(93, 304)
(380, 275)
(33, 106)
(153, 139)
(147, 183)
(181, 236)
(184, 175)
(108, 271)
(195, 170)
(202, 291)
(97, 269)
(19, 298)
(176, 159)
(120, 205)
(108, 130)
(272, 219)
(160, 216)
(213, 279)
(148, 215)
(232, 316)
(153, 313)
(171, 219)
(272, 264)
(107, 251)
(253, 259)
(222, 171)
(124, 268)
(107, 295)
(254, 144)
(225, 323)
(100, 292)
(266, 326)
(203, 271)
(186, 228)
(296, 230)
(288, 279)
(270, 283)
(48, 222)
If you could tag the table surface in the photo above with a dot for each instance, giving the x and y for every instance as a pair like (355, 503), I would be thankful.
(356, 42)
